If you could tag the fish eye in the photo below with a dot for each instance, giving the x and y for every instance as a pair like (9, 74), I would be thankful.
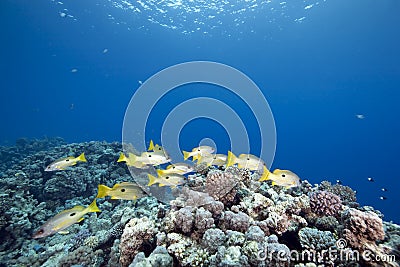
(72, 214)
(173, 167)
(159, 148)
(67, 160)
(149, 156)
(123, 190)
(198, 149)
(167, 177)
(248, 158)
(283, 175)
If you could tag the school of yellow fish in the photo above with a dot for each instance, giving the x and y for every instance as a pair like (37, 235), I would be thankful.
(172, 176)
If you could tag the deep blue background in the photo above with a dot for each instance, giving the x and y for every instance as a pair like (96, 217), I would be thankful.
(342, 60)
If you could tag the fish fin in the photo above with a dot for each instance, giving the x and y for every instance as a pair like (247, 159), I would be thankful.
(160, 172)
(276, 171)
(161, 185)
(151, 146)
(93, 207)
(265, 175)
(287, 187)
(81, 157)
(122, 157)
(102, 191)
(231, 160)
(273, 183)
(114, 197)
(186, 155)
(152, 179)
(196, 157)
(81, 219)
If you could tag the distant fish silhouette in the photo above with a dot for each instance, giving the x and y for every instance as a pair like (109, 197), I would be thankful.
(383, 198)
(370, 179)
(360, 116)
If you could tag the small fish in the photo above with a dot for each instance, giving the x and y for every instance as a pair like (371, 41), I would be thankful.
(370, 179)
(125, 190)
(247, 161)
(383, 198)
(280, 177)
(383, 189)
(179, 168)
(360, 116)
(152, 158)
(65, 219)
(338, 182)
(62, 164)
(212, 159)
(128, 160)
(197, 151)
(172, 180)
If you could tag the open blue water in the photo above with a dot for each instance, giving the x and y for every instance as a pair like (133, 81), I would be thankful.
(70, 68)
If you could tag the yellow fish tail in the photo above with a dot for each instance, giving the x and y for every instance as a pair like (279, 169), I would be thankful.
(152, 179)
(186, 155)
(151, 146)
(93, 207)
(265, 175)
(81, 157)
(231, 160)
(102, 191)
(122, 157)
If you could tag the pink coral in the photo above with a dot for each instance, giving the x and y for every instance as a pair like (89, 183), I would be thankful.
(362, 227)
(325, 203)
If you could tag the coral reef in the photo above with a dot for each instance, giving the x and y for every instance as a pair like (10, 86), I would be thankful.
(221, 217)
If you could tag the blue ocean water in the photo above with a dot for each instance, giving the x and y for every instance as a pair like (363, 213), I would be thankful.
(70, 68)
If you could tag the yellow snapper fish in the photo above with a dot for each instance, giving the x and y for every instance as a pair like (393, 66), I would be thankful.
(124, 190)
(178, 168)
(197, 151)
(280, 177)
(212, 159)
(62, 164)
(247, 161)
(156, 148)
(128, 160)
(152, 158)
(65, 219)
(172, 180)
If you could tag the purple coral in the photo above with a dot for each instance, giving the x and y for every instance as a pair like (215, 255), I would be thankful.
(325, 203)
